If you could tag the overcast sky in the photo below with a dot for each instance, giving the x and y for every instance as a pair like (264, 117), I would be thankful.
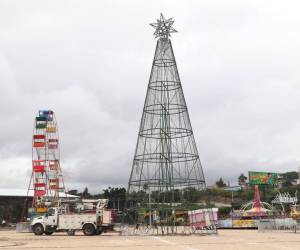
(90, 61)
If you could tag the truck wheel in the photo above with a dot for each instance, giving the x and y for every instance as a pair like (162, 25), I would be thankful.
(49, 232)
(89, 230)
(38, 229)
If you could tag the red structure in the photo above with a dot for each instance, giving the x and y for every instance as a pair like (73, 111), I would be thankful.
(256, 208)
(256, 202)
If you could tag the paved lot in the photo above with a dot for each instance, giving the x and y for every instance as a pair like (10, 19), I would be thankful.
(226, 239)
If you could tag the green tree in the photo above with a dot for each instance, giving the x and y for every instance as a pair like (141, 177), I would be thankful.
(242, 180)
(220, 183)
(73, 192)
(85, 193)
(287, 183)
(290, 175)
(114, 193)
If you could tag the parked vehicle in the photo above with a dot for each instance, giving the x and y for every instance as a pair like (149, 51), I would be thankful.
(91, 222)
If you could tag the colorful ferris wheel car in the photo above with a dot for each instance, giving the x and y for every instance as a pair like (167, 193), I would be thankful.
(47, 180)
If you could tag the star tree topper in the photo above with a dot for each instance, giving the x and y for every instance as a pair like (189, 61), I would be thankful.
(163, 27)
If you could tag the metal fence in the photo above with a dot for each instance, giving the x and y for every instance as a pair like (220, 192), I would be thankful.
(200, 222)
(286, 224)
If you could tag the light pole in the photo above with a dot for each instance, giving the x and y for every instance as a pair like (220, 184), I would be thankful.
(150, 213)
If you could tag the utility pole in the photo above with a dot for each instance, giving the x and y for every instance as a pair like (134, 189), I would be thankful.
(150, 213)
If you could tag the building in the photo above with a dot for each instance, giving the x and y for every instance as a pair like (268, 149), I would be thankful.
(14, 203)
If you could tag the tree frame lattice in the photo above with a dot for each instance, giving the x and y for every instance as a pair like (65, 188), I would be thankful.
(166, 156)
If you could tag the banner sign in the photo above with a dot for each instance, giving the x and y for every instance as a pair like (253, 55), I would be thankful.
(244, 223)
(262, 178)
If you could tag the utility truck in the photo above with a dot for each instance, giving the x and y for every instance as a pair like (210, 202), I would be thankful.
(90, 216)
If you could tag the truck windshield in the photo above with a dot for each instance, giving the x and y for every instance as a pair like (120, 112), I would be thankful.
(51, 211)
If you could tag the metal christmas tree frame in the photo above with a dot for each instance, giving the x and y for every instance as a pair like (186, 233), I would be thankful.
(166, 164)
(166, 156)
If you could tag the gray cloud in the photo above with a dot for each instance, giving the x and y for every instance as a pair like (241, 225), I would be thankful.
(90, 62)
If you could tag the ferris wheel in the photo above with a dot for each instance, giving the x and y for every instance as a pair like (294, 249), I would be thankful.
(47, 178)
